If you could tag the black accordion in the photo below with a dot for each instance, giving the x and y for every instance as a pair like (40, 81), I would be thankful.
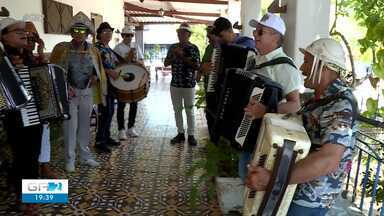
(13, 94)
(48, 87)
(223, 57)
(237, 88)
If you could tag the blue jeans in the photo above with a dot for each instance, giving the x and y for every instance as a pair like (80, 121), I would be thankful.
(244, 158)
(297, 210)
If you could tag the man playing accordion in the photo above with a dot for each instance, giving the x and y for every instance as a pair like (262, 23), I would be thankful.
(330, 126)
(25, 141)
(269, 33)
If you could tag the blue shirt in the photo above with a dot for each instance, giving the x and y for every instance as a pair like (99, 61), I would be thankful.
(245, 42)
(333, 124)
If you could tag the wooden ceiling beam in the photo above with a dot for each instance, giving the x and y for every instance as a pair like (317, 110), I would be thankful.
(199, 1)
(175, 14)
(193, 20)
(192, 13)
(132, 7)
(141, 15)
(170, 22)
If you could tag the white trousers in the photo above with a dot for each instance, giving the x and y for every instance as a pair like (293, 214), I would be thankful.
(184, 98)
(45, 149)
(77, 128)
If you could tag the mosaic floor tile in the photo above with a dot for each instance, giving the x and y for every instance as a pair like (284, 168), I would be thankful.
(143, 176)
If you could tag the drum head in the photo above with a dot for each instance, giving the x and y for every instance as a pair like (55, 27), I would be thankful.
(131, 77)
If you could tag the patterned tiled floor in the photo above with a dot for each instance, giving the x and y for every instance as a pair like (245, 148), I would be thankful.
(143, 176)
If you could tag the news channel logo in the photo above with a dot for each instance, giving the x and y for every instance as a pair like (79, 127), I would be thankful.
(45, 190)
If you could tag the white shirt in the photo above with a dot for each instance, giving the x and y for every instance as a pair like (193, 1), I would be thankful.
(286, 75)
(122, 49)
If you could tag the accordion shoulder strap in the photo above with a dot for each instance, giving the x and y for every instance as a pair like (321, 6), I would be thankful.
(312, 105)
(276, 61)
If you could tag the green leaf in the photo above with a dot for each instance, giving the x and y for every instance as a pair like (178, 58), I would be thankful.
(380, 55)
(378, 70)
(372, 105)
(381, 112)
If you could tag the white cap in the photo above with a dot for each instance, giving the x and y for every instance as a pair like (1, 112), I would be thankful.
(272, 21)
(5, 22)
(185, 26)
(327, 50)
(128, 30)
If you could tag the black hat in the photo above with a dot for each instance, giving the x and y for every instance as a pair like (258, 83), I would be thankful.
(103, 26)
(220, 25)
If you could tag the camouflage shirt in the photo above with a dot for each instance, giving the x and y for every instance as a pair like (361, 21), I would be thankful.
(330, 123)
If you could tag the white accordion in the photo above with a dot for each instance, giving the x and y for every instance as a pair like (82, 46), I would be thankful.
(282, 141)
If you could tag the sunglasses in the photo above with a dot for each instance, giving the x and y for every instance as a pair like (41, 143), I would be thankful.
(79, 31)
(127, 35)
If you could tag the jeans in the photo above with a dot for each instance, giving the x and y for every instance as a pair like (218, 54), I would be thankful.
(297, 210)
(120, 115)
(244, 158)
(184, 98)
(105, 119)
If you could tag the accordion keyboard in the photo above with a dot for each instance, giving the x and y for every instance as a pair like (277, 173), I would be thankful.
(246, 123)
(212, 78)
(29, 114)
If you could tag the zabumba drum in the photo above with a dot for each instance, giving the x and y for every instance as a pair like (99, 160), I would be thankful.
(132, 84)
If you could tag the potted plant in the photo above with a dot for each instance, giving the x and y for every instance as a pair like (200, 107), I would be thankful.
(217, 170)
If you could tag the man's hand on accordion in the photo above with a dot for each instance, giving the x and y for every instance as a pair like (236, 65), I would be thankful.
(257, 178)
(254, 109)
(206, 68)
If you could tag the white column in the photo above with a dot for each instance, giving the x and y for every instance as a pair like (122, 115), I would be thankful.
(306, 20)
(250, 9)
(139, 37)
(234, 11)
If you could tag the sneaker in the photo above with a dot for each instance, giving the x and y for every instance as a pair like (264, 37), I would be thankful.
(102, 148)
(122, 135)
(132, 133)
(191, 140)
(178, 138)
(70, 167)
(113, 142)
(90, 162)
